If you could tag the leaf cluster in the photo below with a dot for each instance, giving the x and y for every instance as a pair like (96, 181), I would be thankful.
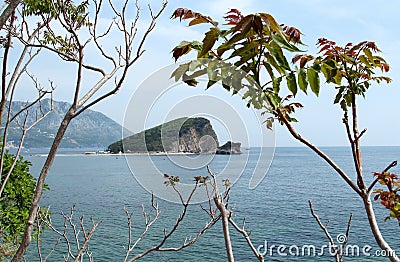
(351, 69)
(236, 55)
(389, 197)
(16, 199)
(73, 16)
(171, 180)
(250, 52)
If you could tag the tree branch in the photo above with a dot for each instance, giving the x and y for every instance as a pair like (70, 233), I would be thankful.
(319, 153)
(393, 164)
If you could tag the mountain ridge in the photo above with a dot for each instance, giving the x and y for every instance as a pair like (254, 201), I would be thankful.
(80, 132)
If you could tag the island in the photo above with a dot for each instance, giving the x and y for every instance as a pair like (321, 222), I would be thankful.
(183, 135)
(229, 148)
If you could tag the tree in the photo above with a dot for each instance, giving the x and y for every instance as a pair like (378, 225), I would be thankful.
(15, 201)
(67, 30)
(258, 45)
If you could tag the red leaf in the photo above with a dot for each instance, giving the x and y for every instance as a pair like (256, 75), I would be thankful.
(377, 174)
(180, 51)
(325, 47)
(373, 46)
(233, 17)
(296, 58)
(294, 34)
(184, 13)
(234, 10)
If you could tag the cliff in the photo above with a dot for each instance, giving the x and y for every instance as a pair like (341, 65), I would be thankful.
(186, 135)
(229, 148)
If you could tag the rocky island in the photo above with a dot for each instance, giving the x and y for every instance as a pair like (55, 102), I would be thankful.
(229, 148)
(182, 135)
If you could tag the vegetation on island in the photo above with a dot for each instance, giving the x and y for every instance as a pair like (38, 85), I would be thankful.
(229, 148)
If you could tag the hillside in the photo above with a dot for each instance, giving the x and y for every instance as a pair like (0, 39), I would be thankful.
(191, 135)
(90, 129)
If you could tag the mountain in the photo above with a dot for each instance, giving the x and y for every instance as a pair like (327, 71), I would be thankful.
(189, 135)
(90, 129)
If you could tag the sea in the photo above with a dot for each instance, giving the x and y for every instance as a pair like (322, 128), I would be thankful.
(276, 212)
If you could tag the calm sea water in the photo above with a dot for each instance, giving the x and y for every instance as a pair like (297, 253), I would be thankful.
(276, 212)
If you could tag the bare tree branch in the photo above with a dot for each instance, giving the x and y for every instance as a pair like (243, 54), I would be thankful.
(327, 234)
(79, 104)
(247, 237)
(371, 187)
(44, 219)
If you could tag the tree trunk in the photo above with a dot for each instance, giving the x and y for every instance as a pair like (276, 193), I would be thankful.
(376, 231)
(27, 237)
(8, 11)
(225, 226)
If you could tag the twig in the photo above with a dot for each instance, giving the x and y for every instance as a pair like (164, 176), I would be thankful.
(393, 164)
(324, 228)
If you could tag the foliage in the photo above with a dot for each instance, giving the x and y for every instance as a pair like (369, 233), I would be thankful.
(256, 45)
(16, 199)
(7, 250)
(75, 16)
(390, 197)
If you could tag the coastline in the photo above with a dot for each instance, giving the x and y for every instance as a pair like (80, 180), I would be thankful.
(119, 154)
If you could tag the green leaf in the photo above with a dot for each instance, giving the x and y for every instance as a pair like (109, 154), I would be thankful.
(365, 61)
(337, 98)
(327, 71)
(313, 79)
(277, 53)
(222, 49)
(251, 47)
(291, 83)
(235, 38)
(246, 58)
(196, 45)
(302, 79)
(209, 41)
(180, 71)
(285, 44)
(193, 65)
(368, 53)
(348, 98)
(276, 83)
(211, 83)
(272, 61)
(269, 70)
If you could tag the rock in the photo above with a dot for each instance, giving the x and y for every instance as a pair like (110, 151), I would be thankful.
(229, 148)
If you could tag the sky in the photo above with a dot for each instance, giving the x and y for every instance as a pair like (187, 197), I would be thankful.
(319, 120)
